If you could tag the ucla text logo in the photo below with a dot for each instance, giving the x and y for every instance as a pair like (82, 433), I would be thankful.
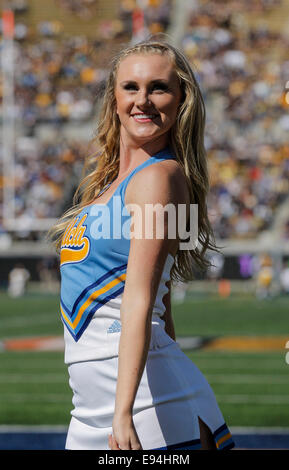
(75, 246)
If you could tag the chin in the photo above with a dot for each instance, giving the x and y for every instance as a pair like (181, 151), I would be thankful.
(144, 136)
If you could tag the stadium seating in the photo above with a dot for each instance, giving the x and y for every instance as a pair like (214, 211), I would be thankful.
(242, 71)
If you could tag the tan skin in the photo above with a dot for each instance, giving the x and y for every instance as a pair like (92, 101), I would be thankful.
(146, 85)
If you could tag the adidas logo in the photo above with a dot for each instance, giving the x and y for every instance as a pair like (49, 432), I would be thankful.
(114, 327)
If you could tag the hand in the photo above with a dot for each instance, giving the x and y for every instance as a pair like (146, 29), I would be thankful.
(124, 435)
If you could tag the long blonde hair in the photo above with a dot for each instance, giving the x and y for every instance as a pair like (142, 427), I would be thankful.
(186, 140)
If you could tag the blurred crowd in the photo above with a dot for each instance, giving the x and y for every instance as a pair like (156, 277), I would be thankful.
(83, 9)
(56, 83)
(242, 73)
(43, 174)
(58, 78)
(156, 14)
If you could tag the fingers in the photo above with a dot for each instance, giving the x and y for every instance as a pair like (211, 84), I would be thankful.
(134, 441)
(133, 444)
(112, 443)
(136, 446)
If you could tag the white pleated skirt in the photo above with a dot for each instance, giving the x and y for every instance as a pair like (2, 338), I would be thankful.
(171, 396)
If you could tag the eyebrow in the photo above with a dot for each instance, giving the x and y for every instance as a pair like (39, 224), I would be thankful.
(157, 80)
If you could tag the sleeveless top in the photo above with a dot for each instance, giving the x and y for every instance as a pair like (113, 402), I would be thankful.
(93, 263)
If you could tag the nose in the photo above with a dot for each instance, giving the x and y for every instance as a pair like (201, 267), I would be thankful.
(142, 99)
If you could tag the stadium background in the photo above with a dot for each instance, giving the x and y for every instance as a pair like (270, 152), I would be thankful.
(233, 320)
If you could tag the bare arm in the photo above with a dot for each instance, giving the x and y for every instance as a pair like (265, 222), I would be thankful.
(145, 265)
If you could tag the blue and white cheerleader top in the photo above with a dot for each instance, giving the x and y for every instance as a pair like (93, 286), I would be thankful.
(93, 262)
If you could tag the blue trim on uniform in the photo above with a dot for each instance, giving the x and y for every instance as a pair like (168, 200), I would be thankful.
(109, 297)
(91, 286)
(92, 312)
(221, 428)
(196, 443)
(65, 308)
(102, 299)
(89, 316)
(96, 304)
(229, 444)
(222, 431)
(96, 283)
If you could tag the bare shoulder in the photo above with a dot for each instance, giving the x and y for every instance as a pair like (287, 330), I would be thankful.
(162, 182)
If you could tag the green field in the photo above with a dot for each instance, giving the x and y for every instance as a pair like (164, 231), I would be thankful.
(251, 388)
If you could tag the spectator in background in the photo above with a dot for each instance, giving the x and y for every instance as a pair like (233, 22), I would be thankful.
(17, 281)
(215, 270)
(264, 278)
(48, 275)
(179, 292)
(284, 278)
(246, 266)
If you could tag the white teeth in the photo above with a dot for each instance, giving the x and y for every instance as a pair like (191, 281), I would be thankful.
(144, 116)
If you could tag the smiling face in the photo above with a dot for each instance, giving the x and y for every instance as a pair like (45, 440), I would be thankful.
(148, 94)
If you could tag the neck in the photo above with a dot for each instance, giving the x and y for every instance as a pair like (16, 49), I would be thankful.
(132, 154)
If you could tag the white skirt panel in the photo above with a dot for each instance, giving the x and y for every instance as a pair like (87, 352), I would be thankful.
(171, 395)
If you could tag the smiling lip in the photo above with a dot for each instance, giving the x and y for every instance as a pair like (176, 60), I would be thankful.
(144, 117)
